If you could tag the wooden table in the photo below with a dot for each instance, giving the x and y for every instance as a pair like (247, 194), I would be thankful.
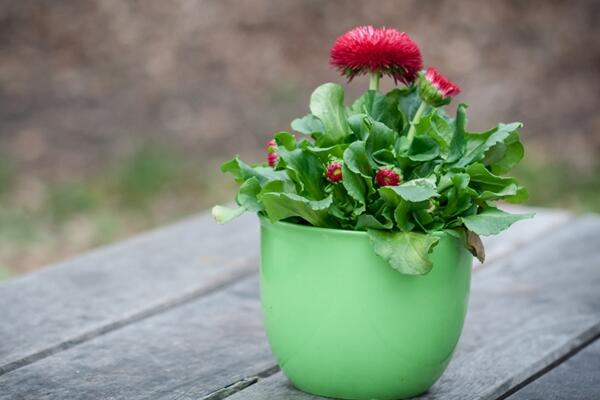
(175, 314)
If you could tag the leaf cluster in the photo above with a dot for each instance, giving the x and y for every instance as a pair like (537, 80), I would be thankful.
(451, 177)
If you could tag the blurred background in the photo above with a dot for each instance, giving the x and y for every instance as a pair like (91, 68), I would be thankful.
(115, 114)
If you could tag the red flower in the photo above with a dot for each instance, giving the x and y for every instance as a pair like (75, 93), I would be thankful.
(272, 156)
(436, 89)
(334, 171)
(385, 50)
(387, 177)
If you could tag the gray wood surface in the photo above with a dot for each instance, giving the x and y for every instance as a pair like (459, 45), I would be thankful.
(576, 379)
(188, 349)
(74, 301)
(526, 311)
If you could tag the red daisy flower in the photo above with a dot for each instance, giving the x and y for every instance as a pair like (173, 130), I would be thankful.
(384, 50)
(334, 171)
(387, 177)
(272, 155)
(436, 89)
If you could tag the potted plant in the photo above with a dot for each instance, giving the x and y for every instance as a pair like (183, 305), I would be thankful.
(368, 223)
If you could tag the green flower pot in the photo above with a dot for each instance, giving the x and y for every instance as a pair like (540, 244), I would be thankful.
(342, 323)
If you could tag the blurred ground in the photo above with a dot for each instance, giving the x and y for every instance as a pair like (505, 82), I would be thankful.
(115, 114)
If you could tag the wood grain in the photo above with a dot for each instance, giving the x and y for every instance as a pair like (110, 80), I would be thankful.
(526, 311)
(74, 301)
(192, 350)
(576, 379)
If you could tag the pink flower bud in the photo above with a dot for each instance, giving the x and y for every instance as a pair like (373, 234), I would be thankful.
(334, 171)
(271, 145)
(387, 177)
(272, 155)
(435, 89)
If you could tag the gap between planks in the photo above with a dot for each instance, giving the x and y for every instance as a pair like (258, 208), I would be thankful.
(123, 322)
(582, 341)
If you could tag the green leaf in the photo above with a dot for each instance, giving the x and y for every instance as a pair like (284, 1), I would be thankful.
(367, 221)
(358, 126)
(457, 145)
(492, 221)
(324, 153)
(354, 184)
(222, 214)
(309, 125)
(247, 196)
(384, 157)
(327, 104)
(408, 103)
(477, 144)
(286, 140)
(414, 190)
(502, 156)
(306, 170)
(364, 103)
(406, 252)
(385, 109)
(494, 187)
(279, 206)
(357, 160)
(380, 138)
(381, 108)
(286, 186)
(402, 216)
(438, 127)
(423, 148)
(459, 195)
(242, 171)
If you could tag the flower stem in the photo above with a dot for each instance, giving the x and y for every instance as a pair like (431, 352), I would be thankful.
(374, 80)
(411, 131)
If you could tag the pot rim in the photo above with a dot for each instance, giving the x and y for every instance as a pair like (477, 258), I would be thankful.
(265, 220)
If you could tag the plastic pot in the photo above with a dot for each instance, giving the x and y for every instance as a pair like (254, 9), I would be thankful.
(342, 323)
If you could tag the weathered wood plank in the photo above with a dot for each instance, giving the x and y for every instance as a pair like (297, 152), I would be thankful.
(526, 311)
(576, 379)
(189, 351)
(76, 300)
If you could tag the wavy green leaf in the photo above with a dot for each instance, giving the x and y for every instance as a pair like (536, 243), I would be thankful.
(309, 125)
(357, 160)
(327, 104)
(492, 221)
(477, 144)
(280, 206)
(306, 170)
(414, 191)
(406, 252)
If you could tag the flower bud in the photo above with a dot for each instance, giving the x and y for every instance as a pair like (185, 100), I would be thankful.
(334, 171)
(272, 155)
(435, 89)
(388, 177)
